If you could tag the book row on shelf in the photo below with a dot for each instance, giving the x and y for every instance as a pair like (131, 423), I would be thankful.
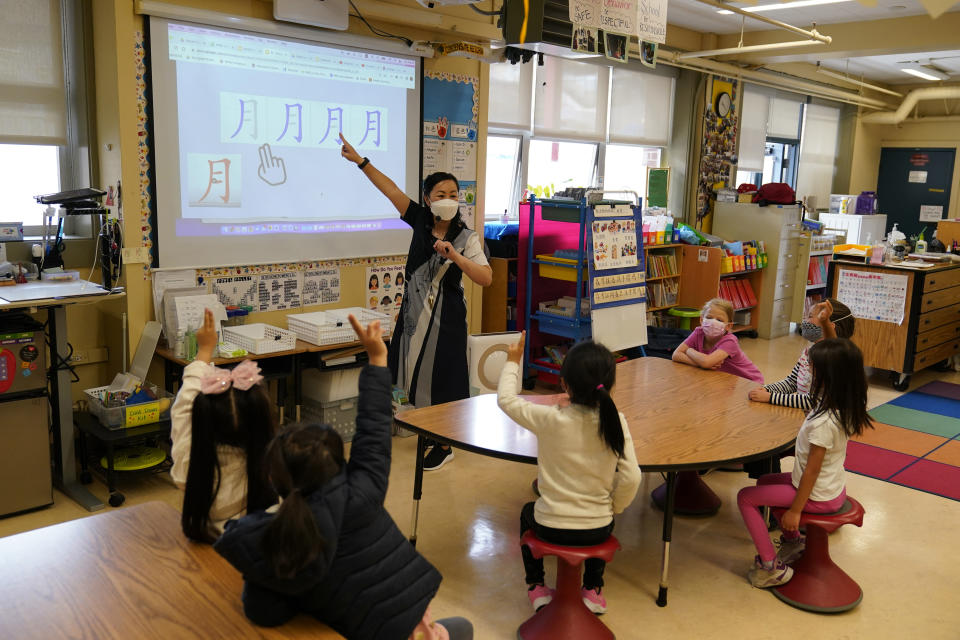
(739, 292)
(660, 266)
(662, 293)
(817, 271)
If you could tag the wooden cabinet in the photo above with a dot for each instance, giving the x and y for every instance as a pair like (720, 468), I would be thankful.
(701, 277)
(500, 298)
(930, 331)
(783, 288)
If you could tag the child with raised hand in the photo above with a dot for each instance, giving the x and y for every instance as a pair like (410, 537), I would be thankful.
(331, 550)
(828, 319)
(713, 346)
(222, 421)
(816, 485)
(586, 465)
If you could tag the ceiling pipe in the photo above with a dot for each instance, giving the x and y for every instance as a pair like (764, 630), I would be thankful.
(860, 83)
(748, 49)
(915, 96)
(705, 65)
(813, 34)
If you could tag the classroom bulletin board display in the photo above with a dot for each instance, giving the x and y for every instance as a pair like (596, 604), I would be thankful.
(451, 108)
(718, 147)
(616, 275)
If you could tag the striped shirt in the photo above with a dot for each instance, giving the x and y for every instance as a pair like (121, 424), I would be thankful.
(794, 390)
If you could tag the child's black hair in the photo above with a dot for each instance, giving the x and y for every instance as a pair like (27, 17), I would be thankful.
(241, 419)
(839, 384)
(374, 279)
(589, 371)
(845, 326)
(436, 178)
(300, 460)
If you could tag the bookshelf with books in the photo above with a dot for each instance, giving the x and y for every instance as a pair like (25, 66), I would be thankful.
(663, 278)
(703, 280)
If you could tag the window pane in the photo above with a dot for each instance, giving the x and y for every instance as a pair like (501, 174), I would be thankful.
(500, 192)
(625, 167)
(554, 166)
(27, 171)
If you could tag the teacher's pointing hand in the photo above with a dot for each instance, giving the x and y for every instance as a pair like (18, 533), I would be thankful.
(348, 152)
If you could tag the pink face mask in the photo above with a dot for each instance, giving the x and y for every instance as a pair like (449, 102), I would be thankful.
(713, 328)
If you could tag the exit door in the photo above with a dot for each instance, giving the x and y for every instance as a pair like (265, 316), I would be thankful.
(913, 187)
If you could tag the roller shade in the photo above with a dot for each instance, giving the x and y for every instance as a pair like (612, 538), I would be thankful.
(511, 96)
(818, 153)
(641, 108)
(753, 129)
(571, 100)
(783, 120)
(32, 96)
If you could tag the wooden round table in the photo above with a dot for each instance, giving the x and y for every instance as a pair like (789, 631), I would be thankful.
(681, 418)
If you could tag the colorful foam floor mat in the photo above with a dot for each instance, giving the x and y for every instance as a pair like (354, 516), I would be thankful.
(915, 442)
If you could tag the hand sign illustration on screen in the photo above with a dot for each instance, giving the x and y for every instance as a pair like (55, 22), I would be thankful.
(272, 170)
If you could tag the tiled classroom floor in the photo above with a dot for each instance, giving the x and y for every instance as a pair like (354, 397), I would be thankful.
(904, 557)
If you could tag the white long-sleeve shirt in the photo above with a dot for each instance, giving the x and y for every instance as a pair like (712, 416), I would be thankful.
(230, 500)
(582, 483)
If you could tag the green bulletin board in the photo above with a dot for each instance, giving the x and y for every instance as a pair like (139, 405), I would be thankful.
(658, 184)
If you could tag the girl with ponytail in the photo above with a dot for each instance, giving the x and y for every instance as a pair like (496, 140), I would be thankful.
(331, 550)
(586, 466)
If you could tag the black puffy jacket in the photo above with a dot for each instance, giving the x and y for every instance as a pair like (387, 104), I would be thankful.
(369, 582)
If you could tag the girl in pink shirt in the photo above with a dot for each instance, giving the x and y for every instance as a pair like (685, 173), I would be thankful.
(713, 346)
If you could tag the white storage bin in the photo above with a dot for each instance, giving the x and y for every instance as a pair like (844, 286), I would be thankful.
(339, 414)
(332, 326)
(259, 338)
(329, 386)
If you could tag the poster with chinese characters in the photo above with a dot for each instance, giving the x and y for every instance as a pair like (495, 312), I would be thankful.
(321, 286)
(385, 286)
(873, 296)
(236, 291)
(614, 244)
(279, 291)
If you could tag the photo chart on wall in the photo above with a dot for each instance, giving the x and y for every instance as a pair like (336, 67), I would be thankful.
(384, 288)
(450, 116)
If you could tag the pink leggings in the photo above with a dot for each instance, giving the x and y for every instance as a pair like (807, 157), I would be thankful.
(775, 490)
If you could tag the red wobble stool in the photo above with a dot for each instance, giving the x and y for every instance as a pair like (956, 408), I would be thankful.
(566, 616)
(818, 584)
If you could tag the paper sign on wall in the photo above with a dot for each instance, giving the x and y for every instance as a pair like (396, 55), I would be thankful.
(321, 286)
(652, 20)
(918, 177)
(931, 212)
(385, 287)
(646, 19)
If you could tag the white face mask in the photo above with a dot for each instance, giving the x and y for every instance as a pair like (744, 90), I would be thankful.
(713, 328)
(444, 209)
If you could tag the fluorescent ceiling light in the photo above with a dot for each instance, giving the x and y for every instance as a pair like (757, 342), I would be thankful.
(926, 74)
(783, 5)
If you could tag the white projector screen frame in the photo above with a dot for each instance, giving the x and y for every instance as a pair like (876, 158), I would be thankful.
(224, 240)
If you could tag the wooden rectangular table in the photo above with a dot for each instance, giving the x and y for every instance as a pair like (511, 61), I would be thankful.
(681, 418)
(126, 574)
(277, 365)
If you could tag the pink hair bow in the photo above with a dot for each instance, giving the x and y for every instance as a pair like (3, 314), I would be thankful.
(242, 377)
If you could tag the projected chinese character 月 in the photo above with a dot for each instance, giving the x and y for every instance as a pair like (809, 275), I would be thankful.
(213, 180)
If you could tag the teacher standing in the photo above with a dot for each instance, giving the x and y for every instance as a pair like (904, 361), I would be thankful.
(428, 349)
